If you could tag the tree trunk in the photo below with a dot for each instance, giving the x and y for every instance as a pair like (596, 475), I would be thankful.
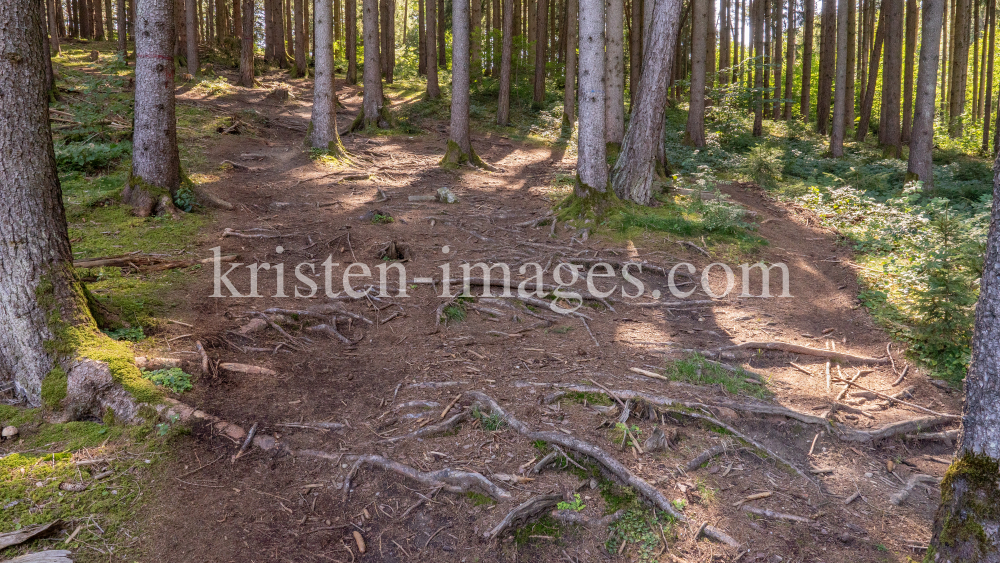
(246, 45)
(323, 128)
(53, 28)
(98, 19)
(541, 32)
(287, 35)
(475, 40)
(506, 54)
(109, 20)
(279, 35)
(191, 17)
(945, 49)
(757, 7)
(632, 176)
(569, 98)
(351, 43)
(371, 111)
(634, 50)
(591, 162)
(459, 139)
(959, 68)
(301, 68)
(156, 167)
(421, 40)
(338, 28)
(922, 140)
(852, 40)
(383, 38)
(967, 522)
(694, 133)
(776, 59)
(790, 61)
(725, 40)
(827, 56)
(433, 90)
(982, 63)
(237, 20)
(991, 17)
(614, 73)
(873, 68)
(889, 127)
(442, 51)
(911, 44)
(86, 26)
(840, 94)
(807, 55)
(976, 82)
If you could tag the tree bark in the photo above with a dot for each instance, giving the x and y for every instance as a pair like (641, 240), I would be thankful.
(541, 31)
(852, 40)
(237, 20)
(614, 73)
(156, 166)
(922, 140)
(911, 44)
(301, 67)
(459, 139)
(967, 522)
(387, 38)
(591, 162)
(757, 7)
(710, 47)
(279, 35)
(433, 90)
(805, 105)
(889, 126)
(634, 50)
(373, 100)
(569, 97)
(270, 51)
(98, 19)
(323, 128)
(827, 56)
(108, 19)
(959, 68)
(776, 58)
(991, 17)
(442, 51)
(694, 133)
(246, 45)
(86, 26)
(725, 40)
(421, 40)
(506, 54)
(53, 28)
(873, 68)
(632, 176)
(790, 61)
(351, 43)
(840, 94)
(191, 17)
(476, 40)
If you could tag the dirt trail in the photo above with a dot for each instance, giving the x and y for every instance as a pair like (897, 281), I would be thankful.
(286, 508)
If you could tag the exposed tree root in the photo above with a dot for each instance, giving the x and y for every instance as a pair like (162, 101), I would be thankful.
(146, 263)
(776, 515)
(805, 350)
(430, 430)
(607, 461)
(523, 513)
(324, 426)
(707, 455)
(894, 429)
(448, 479)
(573, 517)
(914, 480)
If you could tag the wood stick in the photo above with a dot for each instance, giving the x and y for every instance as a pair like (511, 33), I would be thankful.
(813, 446)
(805, 350)
(444, 413)
(246, 443)
(776, 515)
(648, 373)
(900, 401)
(899, 379)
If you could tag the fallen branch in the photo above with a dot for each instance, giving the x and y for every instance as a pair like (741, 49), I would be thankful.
(805, 350)
(447, 479)
(246, 443)
(899, 379)
(331, 330)
(705, 456)
(900, 401)
(609, 463)
(247, 369)
(915, 479)
(948, 436)
(25, 534)
(544, 462)
(47, 556)
(523, 513)
(324, 426)
(694, 246)
(430, 430)
(776, 515)
(894, 429)
(149, 263)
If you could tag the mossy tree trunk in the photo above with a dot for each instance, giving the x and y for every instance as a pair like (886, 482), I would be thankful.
(967, 524)
(43, 307)
(156, 165)
(460, 140)
(632, 176)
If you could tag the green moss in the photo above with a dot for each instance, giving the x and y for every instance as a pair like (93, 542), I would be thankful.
(594, 204)
(454, 157)
(88, 342)
(589, 398)
(970, 496)
(544, 526)
(54, 388)
(17, 416)
(478, 499)
(697, 370)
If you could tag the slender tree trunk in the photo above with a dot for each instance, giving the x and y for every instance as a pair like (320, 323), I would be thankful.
(287, 41)
(506, 54)
(911, 44)
(338, 28)
(766, 58)
(541, 31)
(237, 20)
(270, 51)
(86, 27)
(982, 64)
(889, 127)
(840, 92)
(191, 15)
(569, 98)
(373, 100)
(976, 82)
(863, 49)
(807, 56)
(591, 162)
(53, 28)
(634, 50)
(725, 41)
(421, 40)
(475, 41)
(922, 141)
(757, 7)
(459, 138)
(959, 68)
(790, 61)
(966, 523)
(776, 59)
(323, 128)
(873, 68)
(279, 35)
(109, 20)
(991, 11)
(710, 53)
(827, 56)
(385, 24)
(433, 90)
(301, 67)
(61, 20)
(614, 73)
(442, 51)
(156, 166)
(351, 46)
(694, 133)
(246, 45)
(98, 19)
(852, 41)
(945, 49)
(632, 176)
(122, 33)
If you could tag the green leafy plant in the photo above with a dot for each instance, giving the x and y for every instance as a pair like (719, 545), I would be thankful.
(379, 219)
(132, 334)
(174, 379)
(90, 157)
(489, 422)
(576, 505)
(762, 167)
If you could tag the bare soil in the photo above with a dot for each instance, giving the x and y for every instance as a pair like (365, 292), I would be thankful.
(266, 507)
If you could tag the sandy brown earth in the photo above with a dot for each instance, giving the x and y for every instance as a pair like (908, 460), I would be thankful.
(400, 372)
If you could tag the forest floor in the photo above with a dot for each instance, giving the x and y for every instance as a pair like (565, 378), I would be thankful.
(799, 456)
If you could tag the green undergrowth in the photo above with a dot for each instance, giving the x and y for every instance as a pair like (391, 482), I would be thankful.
(697, 370)
(107, 511)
